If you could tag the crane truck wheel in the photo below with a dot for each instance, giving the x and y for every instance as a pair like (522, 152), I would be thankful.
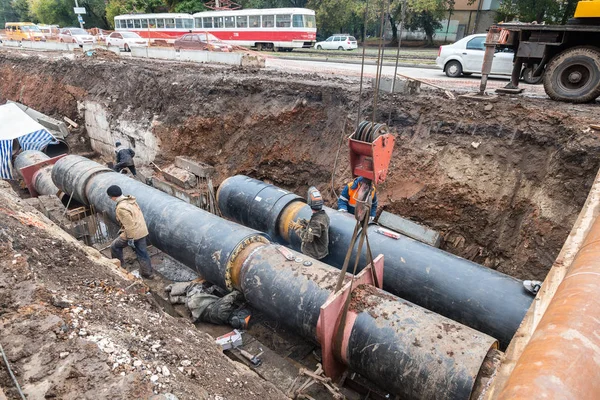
(574, 75)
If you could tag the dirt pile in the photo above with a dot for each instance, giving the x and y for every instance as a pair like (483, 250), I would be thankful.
(502, 181)
(75, 326)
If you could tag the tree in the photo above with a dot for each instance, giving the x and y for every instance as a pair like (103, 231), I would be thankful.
(15, 11)
(547, 11)
(420, 15)
(53, 12)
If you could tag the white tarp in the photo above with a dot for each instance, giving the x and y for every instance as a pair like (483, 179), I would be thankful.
(16, 124)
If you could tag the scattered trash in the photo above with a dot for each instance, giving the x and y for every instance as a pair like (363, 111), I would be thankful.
(230, 340)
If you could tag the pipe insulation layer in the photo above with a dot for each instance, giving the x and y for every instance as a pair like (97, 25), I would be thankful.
(476, 296)
(42, 179)
(401, 347)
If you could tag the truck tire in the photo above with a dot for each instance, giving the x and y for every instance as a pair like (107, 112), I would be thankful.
(574, 75)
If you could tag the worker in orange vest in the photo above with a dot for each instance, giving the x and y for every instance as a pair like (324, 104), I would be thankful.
(347, 199)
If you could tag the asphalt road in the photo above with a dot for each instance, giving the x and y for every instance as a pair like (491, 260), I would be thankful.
(435, 76)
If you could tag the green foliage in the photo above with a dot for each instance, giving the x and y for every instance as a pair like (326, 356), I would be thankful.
(420, 15)
(54, 12)
(15, 11)
(189, 6)
(548, 11)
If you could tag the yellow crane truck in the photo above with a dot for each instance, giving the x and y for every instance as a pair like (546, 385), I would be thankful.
(568, 56)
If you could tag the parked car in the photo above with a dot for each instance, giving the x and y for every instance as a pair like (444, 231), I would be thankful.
(50, 31)
(75, 35)
(465, 57)
(126, 40)
(337, 42)
(201, 41)
(20, 31)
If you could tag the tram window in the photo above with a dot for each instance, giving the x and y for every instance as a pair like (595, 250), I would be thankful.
(229, 22)
(152, 23)
(169, 23)
(310, 21)
(144, 24)
(137, 24)
(198, 22)
(117, 24)
(179, 23)
(284, 21)
(207, 22)
(297, 21)
(268, 21)
(188, 23)
(130, 24)
(242, 22)
(218, 22)
(160, 23)
(254, 21)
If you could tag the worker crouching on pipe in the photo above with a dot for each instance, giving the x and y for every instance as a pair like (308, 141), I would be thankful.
(133, 230)
(314, 233)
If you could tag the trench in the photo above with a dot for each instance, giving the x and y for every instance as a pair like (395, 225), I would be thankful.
(502, 181)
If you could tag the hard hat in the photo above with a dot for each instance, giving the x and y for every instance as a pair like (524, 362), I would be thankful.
(314, 198)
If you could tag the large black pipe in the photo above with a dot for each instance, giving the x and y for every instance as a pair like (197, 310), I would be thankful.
(404, 348)
(479, 297)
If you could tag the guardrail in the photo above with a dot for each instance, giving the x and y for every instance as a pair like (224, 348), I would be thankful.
(162, 53)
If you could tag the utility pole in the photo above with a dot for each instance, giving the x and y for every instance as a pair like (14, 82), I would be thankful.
(79, 17)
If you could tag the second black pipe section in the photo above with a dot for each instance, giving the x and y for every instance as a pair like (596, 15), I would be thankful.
(479, 297)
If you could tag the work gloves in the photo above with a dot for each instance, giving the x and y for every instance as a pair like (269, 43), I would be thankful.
(131, 243)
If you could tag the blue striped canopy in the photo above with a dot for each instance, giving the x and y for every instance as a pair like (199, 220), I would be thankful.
(5, 156)
(37, 140)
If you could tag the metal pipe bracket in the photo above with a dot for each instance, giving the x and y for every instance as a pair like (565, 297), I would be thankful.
(331, 313)
(28, 173)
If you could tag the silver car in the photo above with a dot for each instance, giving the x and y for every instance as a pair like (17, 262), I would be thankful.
(338, 42)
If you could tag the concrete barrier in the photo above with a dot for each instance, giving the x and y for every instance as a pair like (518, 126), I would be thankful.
(193, 55)
(163, 53)
(11, 43)
(48, 46)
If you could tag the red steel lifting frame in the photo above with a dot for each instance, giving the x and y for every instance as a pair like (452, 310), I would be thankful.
(29, 173)
(371, 160)
(331, 312)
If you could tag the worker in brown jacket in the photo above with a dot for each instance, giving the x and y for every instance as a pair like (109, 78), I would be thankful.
(314, 233)
(133, 230)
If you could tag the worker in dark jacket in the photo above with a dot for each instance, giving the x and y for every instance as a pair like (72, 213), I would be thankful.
(133, 230)
(314, 233)
(124, 158)
(347, 199)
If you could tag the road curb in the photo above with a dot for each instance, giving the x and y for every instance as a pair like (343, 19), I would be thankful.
(367, 62)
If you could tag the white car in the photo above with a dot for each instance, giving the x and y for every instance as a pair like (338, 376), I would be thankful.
(337, 42)
(75, 35)
(126, 40)
(465, 57)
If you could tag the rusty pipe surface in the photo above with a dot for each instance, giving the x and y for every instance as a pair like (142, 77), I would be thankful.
(562, 358)
(476, 296)
(42, 179)
(405, 349)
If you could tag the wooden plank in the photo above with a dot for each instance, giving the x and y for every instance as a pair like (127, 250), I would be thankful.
(587, 215)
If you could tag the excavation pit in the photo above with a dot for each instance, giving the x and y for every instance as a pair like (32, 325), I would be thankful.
(503, 183)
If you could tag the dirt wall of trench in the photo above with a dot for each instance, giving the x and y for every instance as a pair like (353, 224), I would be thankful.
(503, 181)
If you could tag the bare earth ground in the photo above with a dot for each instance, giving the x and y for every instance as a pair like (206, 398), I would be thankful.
(74, 326)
